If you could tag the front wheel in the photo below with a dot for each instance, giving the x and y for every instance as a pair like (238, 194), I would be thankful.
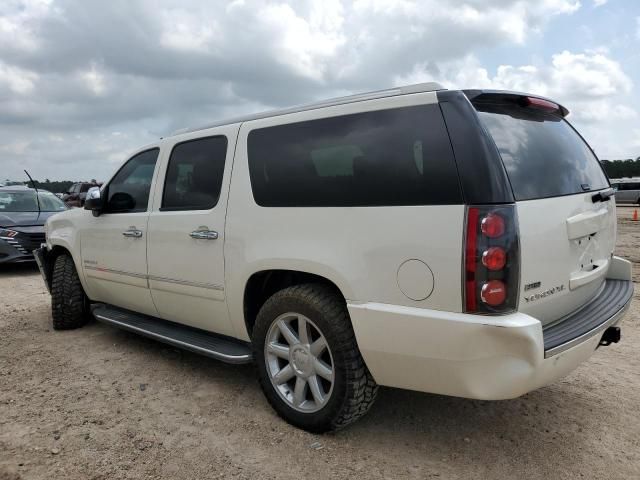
(308, 362)
(69, 304)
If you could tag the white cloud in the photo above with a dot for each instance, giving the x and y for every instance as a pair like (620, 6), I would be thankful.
(18, 80)
(93, 80)
(15, 148)
(145, 68)
(184, 30)
(599, 3)
(635, 142)
(305, 44)
(592, 74)
(17, 18)
(591, 84)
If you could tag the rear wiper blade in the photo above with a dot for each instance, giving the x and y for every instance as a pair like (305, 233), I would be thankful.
(603, 195)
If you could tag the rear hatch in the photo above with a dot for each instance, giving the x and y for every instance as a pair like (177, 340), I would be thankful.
(567, 221)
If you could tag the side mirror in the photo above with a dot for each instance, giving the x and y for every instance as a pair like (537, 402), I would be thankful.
(93, 201)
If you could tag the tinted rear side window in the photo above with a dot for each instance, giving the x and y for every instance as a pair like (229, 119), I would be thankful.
(194, 174)
(389, 157)
(543, 155)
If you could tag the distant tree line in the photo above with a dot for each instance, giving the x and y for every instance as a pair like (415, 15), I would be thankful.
(622, 168)
(61, 186)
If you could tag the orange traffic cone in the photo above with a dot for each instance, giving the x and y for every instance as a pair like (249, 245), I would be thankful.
(634, 217)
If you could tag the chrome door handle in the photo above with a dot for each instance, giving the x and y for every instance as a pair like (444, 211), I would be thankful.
(204, 235)
(134, 233)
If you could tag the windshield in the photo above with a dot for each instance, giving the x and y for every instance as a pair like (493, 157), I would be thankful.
(543, 155)
(26, 202)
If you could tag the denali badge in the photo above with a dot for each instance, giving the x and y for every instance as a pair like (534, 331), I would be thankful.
(531, 286)
(546, 293)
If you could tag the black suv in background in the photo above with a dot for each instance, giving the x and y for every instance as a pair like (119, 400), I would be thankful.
(75, 196)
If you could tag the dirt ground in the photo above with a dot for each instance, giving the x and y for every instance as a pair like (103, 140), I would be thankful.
(100, 403)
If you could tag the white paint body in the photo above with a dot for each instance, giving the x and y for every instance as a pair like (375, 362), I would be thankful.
(399, 268)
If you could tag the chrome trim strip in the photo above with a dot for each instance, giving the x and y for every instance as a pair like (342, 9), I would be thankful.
(210, 286)
(591, 333)
(117, 272)
(172, 341)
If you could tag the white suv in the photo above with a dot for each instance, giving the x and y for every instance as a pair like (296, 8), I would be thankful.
(455, 242)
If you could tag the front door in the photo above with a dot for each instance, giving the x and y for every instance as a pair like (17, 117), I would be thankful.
(186, 231)
(114, 244)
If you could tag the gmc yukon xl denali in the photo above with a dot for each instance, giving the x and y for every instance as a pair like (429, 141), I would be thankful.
(454, 242)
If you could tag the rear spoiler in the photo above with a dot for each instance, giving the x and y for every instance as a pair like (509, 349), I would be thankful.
(479, 97)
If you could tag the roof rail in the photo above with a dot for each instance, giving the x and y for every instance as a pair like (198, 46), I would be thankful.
(358, 97)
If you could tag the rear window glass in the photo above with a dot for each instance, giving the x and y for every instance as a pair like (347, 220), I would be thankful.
(389, 157)
(543, 155)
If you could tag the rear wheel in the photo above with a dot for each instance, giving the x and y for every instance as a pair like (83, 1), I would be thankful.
(69, 304)
(308, 362)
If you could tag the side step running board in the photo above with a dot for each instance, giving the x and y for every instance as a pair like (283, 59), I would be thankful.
(222, 348)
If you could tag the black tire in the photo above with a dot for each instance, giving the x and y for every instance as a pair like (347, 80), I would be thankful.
(69, 304)
(354, 389)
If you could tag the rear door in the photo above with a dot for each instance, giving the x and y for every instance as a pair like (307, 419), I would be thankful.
(566, 238)
(186, 230)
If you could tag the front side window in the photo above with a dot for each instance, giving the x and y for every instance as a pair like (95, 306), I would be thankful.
(129, 190)
(389, 157)
(194, 175)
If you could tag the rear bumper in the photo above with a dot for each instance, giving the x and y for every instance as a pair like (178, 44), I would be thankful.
(604, 310)
(472, 356)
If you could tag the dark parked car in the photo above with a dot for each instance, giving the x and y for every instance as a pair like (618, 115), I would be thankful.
(76, 195)
(22, 222)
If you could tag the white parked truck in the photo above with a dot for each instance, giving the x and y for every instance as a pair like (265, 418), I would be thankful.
(445, 241)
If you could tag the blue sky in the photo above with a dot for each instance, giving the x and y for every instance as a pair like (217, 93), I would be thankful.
(83, 83)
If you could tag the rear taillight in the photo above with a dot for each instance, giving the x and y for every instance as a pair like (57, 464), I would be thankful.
(492, 259)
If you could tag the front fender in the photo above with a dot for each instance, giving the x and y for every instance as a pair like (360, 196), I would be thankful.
(62, 235)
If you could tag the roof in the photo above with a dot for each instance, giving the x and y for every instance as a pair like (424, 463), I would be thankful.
(417, 88)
